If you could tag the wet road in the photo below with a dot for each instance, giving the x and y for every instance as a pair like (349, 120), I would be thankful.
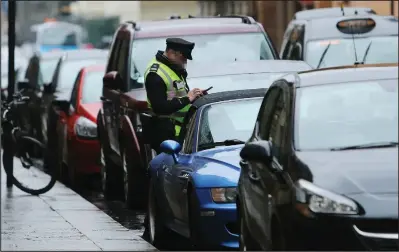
(131, 219)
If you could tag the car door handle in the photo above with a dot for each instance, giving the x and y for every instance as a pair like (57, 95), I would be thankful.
(184, 176)
(253, 176)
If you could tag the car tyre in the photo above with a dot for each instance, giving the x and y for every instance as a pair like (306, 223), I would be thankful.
(278, 241)
(74, 178)
(61, 171)
(134, 182)
(109, 178)
(155, 232)
(246, 242)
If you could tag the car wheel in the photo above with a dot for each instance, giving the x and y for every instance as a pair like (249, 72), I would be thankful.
(103, 171)
(61, 169)
(74, 178)
(43, 127)
(246, 242)
(109, 178)
(278, 241)
(155, 232)
(134, 182)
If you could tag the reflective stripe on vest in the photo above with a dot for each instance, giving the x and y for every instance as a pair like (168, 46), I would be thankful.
(169, 76)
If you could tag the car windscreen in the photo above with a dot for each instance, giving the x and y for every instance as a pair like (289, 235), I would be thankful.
(234, 82)
(92, 86)
(71, 68)
(58, 35)
(47, 68)
(339, 52)
(347, 114)
(208, 48)
(227, 120)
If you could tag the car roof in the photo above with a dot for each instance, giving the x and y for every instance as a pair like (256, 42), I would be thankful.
(50, 55)
(331, 12)
(85, 54)
(229, 95)
(198, 70)
(193, 26)
(325, 28)
(94, 68)
(355, 73)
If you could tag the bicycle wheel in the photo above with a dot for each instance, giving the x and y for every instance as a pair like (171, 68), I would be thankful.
(29, 176)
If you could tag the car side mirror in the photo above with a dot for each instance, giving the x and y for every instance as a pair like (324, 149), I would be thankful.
(259, 151)
(62, 105)
(24, 84)
(113, 80)
(171, 147)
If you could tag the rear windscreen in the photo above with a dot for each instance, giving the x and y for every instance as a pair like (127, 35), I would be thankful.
(339, 52)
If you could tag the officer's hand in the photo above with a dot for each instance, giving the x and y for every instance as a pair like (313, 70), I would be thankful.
(194, 94)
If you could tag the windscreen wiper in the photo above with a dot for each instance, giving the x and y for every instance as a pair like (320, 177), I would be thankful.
(366, 52)
(228, 142)
(367, 146)
(322, 55)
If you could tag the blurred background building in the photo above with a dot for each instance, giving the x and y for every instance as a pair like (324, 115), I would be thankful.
(101, 18)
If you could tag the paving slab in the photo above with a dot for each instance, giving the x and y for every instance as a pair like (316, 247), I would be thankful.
(60, 220)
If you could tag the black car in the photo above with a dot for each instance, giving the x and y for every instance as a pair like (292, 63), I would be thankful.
(38, 73)
(60, 89)
(331, 37)
(320, 171)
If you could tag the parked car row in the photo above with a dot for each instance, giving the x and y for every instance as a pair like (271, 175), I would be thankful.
(279, 155)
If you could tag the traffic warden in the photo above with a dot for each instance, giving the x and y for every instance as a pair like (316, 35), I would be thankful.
(168, 94)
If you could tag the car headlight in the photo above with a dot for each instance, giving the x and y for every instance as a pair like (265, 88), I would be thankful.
(224, 195)
(85, 128)
(318, 200)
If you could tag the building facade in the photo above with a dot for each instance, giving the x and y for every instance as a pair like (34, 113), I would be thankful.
(135, 10)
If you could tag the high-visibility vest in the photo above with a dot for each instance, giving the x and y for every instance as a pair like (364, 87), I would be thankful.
(170, 77)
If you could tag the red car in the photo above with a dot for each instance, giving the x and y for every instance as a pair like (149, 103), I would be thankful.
(78, 146)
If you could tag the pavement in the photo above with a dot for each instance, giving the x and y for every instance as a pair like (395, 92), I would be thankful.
(60, 220)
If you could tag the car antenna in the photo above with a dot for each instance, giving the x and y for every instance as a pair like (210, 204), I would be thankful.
(354, 45)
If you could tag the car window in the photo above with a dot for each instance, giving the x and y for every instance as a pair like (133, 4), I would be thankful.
(4, 82)
(188, 139)
(265, 114)
(341, 51)
(60, 34)
(32, 72)
(74, 94)
(112, 62)
(228, 120)
(340, 115)
(208, 48)
(92, 86)
(286, 42)
(123, 59)
(278, 122)
(47, 69)
(70, 68)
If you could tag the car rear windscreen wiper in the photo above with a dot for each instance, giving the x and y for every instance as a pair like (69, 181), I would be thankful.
(367, 146)
(228, 142)
(323, 55)
(366, 52)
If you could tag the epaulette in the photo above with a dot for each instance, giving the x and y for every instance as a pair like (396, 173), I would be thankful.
(154, 67)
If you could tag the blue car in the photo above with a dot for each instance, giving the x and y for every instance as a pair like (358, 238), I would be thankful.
(193, 181)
